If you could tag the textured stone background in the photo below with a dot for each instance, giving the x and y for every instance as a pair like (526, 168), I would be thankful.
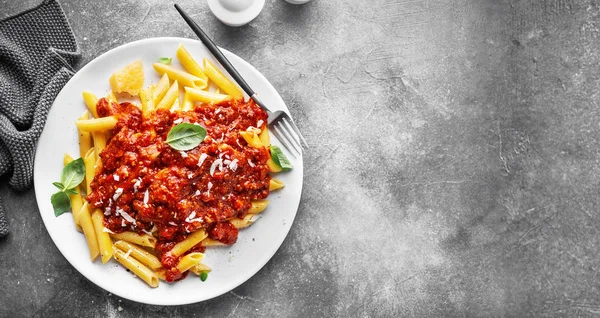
(453, 168)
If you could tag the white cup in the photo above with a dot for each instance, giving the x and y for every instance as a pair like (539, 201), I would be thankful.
(297, 1)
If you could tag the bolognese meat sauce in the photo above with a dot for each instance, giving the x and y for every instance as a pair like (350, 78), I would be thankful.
(142, 184)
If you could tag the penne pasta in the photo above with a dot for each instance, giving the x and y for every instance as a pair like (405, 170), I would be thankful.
(242, 223)
(76, 199)
(187, 104)
(258, 206)
(89, 161)
(210, 242)
(139, 269)
(172, 94)
(275, 184)
(104, 242)
(204, 96)
(111, 97)
(199, 268)
(146, 96)
(264, 137)
(99, 143)
(97, 124)
(189, 63)
(273, 167)
(188, 261)
(85, 138)
(252, 139)
(224, 83)
(161, 89)
(185, 79)
(140, 254)
(139, 239)
(88, 230)
(90, 100)
(175, 107)
(189, 242)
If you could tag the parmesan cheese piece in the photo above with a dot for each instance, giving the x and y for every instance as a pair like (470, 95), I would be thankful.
(201, 159)
(218, 162)
(251, 164)
(117, 194)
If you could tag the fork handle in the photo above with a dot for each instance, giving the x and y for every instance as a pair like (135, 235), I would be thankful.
(212, 47)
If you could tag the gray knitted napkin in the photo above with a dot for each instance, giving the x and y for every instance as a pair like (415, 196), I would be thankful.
(37, 51)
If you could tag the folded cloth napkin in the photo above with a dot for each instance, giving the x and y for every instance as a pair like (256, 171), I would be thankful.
(37, 52)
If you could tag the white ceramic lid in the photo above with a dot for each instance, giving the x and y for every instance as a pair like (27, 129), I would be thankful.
(236, 12)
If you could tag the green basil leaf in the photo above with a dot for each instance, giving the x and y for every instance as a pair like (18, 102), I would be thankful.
(70, 191)
(73, 174)
(185, 136)
(165, 60)
(203, 276)
(60, 202)
(280, 159)
(59, 185)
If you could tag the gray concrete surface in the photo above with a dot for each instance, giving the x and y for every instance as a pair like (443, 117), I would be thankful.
(453, 168)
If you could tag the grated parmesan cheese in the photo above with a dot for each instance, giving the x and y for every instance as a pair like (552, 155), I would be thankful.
(146, 198)
(178, 121)
(190, 217)
(107, 231)
(218, 162)
(251, 164)
(147, 232)
(126, 255)
(125, 215)
(233, 165)
(183, 154)
(117, 194)
(201, 159)
(116, 177)
(259, 123)
(137, 184)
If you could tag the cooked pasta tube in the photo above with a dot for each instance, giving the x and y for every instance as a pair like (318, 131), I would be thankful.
(104, 242)
(199, 268)
(224, 83)
(97, 124)
(90, 100)
(265, 137)
(146, 96)
(170, 97)
(252, 139)
(275, 184)
(187, 104)
(88, 230)
(258, 206)
(111, 97)
(189, 242)
(76, 199)
(204, 96)
(242, 223)
(175, 107)
(139, 239)
(210, 242)
(189, 63)
(186, 79)
(273, 167)
(139, 269)
(188, 261)
(89, 161)
(140, 254)
(99, 143)
(161, 89)
(85, 138)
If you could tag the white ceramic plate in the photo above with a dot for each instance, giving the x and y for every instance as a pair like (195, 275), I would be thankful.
(231, 266)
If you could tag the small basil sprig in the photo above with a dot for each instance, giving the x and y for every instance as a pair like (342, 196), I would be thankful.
(203, 276)
(72, 175)
(185, 136)
(280, 159)
(165, 60)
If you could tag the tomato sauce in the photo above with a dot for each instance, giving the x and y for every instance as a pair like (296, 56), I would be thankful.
(143, 185)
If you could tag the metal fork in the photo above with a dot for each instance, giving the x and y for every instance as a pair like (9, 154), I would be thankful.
(283, 127)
